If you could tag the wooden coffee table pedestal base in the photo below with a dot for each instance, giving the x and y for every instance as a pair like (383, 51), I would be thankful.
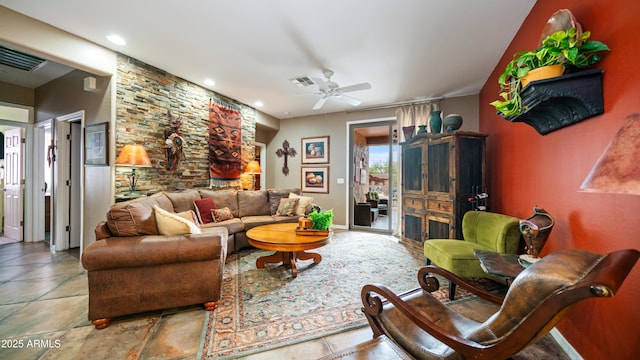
(288, 259)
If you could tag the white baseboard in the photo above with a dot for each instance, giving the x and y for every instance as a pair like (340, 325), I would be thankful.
(564, 344)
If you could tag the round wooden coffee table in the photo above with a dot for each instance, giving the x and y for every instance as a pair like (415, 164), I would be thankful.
(288, 246)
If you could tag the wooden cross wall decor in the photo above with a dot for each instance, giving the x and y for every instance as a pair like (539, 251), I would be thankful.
(286, 151)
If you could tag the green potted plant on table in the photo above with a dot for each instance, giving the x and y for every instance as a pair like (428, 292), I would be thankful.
(321, 220)
(562, 49)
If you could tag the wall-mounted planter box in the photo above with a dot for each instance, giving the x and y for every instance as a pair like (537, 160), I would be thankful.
(552, 104)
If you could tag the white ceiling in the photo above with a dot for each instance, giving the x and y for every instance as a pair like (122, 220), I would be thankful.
(406, 49)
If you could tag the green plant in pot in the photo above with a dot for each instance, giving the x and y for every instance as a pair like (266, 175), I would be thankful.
(321, 220)
(563, 49)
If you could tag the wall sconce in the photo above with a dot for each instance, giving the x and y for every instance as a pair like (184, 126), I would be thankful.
(253, 168)
(134, 156)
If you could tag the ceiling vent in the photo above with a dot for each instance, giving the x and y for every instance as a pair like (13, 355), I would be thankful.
(19, 60)
(302, 81)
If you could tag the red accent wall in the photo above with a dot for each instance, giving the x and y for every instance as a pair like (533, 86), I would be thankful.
(527, 169)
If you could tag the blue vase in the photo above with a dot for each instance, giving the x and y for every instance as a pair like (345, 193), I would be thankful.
(435, 122)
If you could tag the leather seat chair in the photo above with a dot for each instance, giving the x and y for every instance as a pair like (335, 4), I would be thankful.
(422, 327)
(480, 230)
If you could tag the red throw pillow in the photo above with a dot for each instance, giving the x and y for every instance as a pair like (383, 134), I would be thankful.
(203, 209)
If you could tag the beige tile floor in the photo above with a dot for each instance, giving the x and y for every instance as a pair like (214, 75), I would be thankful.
(43, 315)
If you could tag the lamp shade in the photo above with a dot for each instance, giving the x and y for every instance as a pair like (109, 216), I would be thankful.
(617, 170)
(253, 167)
(133, 155)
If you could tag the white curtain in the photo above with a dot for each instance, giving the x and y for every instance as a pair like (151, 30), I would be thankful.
(417, 114)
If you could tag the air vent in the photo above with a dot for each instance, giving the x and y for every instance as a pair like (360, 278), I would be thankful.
(302, 81)
(19, 60)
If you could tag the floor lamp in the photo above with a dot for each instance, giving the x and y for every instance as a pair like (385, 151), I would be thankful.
(134, 156)
(253, 168)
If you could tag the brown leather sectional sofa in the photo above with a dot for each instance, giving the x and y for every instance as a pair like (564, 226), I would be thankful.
(132, 268)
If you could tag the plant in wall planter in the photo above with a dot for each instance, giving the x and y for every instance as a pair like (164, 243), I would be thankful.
(561, 51)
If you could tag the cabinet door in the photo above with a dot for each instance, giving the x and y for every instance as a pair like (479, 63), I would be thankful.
(412, 162)
(413, 229)
(438, 227)
(438, 168)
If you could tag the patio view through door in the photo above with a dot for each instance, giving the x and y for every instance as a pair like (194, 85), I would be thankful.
(373, 176)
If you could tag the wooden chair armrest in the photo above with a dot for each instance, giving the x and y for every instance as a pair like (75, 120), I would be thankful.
(373, 306)
(430, 283)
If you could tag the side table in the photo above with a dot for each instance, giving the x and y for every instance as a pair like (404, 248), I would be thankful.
(502, 265)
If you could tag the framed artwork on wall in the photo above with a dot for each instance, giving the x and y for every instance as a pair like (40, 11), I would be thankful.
(315, 150)
(315, 179)
(96, 144)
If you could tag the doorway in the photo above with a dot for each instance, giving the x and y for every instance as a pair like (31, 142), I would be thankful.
(373, 153)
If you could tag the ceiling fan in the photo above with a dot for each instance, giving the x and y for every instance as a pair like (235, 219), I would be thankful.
(328, 88)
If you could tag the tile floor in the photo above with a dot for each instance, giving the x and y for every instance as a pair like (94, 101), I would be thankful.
(43, 315)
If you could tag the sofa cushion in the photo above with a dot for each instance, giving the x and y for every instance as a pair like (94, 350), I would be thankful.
(287, 207)
(189, 215)
(172, 224)
(286, 219)
(183, 200)
(223, 198)
(233, 226)
(136, 217)
(252, 221)
(203, 209)
(221, 214)
(276, 195)
(304, 204)
(252, 203)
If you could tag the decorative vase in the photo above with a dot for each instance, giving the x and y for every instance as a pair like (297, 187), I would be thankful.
(535, 231)
(422, 129)
(452, 122)
(435, 122)
(408, 132)
(542, 73)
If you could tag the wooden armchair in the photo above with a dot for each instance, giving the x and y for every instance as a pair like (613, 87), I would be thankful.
(539, 297)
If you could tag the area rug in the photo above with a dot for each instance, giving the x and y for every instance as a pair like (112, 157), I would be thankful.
(261, 309)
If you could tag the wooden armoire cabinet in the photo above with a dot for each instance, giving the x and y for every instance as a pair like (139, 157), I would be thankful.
(440, 173)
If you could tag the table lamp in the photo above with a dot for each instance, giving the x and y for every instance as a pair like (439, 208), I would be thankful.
(134, 156)
(253, 168)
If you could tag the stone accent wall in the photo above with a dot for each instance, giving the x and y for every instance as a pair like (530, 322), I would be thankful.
(144, 95)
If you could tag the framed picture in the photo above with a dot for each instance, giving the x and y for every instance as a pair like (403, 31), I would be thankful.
(96, 144)
(315, 150)
(315, 179)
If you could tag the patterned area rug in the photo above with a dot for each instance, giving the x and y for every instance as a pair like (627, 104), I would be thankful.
(266, 308)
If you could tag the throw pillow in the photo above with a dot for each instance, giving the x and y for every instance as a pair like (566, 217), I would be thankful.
(221, 214)
(287, 207)
(303, 203)
(172, 224)
(203, 209)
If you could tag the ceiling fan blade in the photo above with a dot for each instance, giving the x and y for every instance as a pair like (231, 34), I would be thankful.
(356, 87)
(349, 100)
(320, 103)
(322, 84)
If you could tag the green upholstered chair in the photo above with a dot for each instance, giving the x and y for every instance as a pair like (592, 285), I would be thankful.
(480, 230)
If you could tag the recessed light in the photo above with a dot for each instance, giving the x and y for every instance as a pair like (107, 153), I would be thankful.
(116, 39)
(258, 103)
(209, 82)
